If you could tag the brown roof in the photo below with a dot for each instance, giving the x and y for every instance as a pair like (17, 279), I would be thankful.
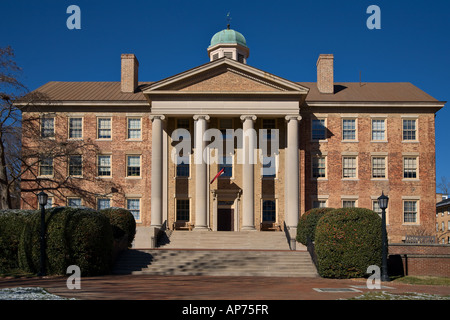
(344, 92)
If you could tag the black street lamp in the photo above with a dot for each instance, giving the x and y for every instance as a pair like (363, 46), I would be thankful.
(383, 203)
(42, 199)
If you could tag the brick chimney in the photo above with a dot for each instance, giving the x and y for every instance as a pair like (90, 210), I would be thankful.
(129, 73)
(325, 82)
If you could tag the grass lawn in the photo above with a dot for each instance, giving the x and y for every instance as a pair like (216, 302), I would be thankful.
(424, 280)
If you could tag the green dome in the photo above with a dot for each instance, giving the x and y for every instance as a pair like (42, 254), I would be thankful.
(228, 36)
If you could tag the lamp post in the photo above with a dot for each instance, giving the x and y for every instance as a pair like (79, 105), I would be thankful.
(42, 199)
(383, 203)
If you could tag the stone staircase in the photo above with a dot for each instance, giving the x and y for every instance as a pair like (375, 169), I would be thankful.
(219, 254)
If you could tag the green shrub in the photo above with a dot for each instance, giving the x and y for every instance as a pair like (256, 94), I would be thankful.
(347, 241)
(11, 226)
(306, 228)
(122, 222)
(74, 236)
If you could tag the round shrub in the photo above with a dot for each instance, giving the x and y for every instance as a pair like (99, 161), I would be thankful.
(11, 226)
(347, 241)
(122, 223)
(306, 228)
(74, 236)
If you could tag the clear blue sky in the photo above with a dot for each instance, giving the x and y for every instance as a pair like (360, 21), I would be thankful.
(285, 38)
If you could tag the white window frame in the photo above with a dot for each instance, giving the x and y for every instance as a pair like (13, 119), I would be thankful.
(110, 128)
(127, 157)
(384, 120)
(69, 128)
(325, 130)
(41, 126)
(355, 139)
(355, 168)
(416, 129)
(110, 165)
(131, 210)
(134, 129)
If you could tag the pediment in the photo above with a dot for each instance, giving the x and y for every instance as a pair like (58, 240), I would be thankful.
(225, 76)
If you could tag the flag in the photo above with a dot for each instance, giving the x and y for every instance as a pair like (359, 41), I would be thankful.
(221, 172)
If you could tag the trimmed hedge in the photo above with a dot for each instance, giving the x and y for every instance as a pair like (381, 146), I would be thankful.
(12, 223)
(306, 228)
(74, 236)
(347, 241)
(122, 223)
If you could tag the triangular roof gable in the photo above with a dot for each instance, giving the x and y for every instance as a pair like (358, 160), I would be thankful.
(222, 76)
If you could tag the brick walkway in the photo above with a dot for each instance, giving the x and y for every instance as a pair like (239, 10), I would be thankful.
(146, 287)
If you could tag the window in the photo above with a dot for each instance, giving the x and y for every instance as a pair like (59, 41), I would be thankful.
(183, 166)
(75, 165)
(348, 203)
(134, 206)
(49, 203)
(227, 163)
(240, 57)
(46, 166)
(103, 203)
(269, 211)
(318, 129)
(318, 167)
(75, 128)
(183, 123)
(74, 202)
(378, 130)
(134, 128)
(410, 168)
(182, 209)
(349, 129)
(409, 130)
(104, 128)
(215, 56)
(410, 211)
(48, 127)
(270, 126)
(376, 207)
(104, 166)
(224, 125)
(269, 167)
(228, 55)
(349, 167)
(319, 204)
(378, 167)
(134, 166)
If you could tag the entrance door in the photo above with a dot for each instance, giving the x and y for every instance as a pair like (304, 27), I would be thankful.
(225, 219)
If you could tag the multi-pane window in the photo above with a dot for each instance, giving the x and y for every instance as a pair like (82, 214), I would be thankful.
(318, 167)
(103, 203)
(348, 129)
(75, 165)
(349, 167)
(134, 128)
(409, 129)
(74, 202)
(104, 128)
(227, 164)
(348, 203)
(49, 203)
(378, 167)
(46, 166)
(104, 166)
(183, 166)
(318, 129)
(47, 127)
(134, 166)
(134, 206)
(410, 167)
(224, 125)
(270, 126)
(376, 207)
(378, 129)
(182, 209)
(269, 211)
(75, 128)
(410, 211)
(319, 204)
(269, 169)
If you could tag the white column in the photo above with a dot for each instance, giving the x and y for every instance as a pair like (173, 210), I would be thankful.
(248, 173)
(201, 174)
(157, 171)
(292, 175)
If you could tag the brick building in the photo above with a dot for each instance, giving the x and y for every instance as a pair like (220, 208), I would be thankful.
(443, 220)
(338, 144)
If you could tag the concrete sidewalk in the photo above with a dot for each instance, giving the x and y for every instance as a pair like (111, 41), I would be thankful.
(147, 287)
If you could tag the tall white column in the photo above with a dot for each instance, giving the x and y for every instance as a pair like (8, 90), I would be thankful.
(292, 176)
(157, 171)
(201, 174)
(248, 173)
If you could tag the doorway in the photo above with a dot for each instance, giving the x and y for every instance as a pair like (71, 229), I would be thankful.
(225, 219)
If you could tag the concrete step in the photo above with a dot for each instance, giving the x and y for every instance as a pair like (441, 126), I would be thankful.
(216, 263)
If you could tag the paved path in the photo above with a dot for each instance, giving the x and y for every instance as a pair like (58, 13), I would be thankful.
(147, 287)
